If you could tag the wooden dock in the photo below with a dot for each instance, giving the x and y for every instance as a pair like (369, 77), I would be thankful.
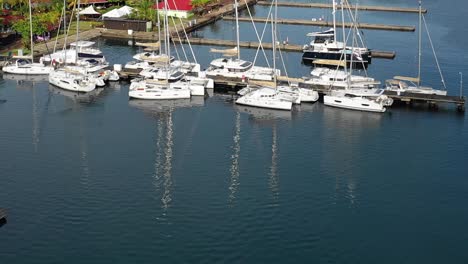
(327, 24)
(282, 46)
(432, 100)
(352, 7)
(232, 85)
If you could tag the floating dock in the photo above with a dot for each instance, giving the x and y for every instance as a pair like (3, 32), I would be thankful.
(359, 7)
(232, 85)
(327, 23)
(282, 46)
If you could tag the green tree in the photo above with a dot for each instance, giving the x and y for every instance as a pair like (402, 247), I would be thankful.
(22, 27)
(144, 10)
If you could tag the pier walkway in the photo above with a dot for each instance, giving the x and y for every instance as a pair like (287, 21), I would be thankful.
(327, 23)
(363, 7)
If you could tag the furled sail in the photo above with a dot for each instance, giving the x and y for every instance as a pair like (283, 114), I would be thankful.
(151, 45)
(226, 52)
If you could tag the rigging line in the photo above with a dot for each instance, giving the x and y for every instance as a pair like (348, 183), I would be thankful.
(282, 58)
(180, 40)
(175, 49)
(258, 38)
(355, 23)
(62, 17)
(433, 51)
(186, 37)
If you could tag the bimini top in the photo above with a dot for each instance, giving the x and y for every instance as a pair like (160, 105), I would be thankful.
(327, 33)
(82, 44)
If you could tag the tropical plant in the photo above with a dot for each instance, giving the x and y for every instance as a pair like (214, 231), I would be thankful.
(144, 10)
(22, 27)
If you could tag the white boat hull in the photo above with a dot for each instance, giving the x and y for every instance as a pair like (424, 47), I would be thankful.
(71, 83)
(28, 69)
(353, 103)
(265, 98)
(155, 91)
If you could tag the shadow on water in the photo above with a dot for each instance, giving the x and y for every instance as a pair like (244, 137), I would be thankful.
(3, 222)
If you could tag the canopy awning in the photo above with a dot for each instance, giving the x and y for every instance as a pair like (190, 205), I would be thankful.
(120, 12)
(89, 11)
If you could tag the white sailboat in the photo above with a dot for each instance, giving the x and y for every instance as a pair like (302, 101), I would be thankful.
(370, 100)
(413, 85)
(156, 89)
(270, 95)
(72, 81)
(74, 78)
(24, 66)
(236, 67)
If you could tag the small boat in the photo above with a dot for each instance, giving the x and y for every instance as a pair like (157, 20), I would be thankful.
(159, 90)
(72, 81)
(266, 97)
(324, 78)
(26, 67)
(355, 100)
(401, 84)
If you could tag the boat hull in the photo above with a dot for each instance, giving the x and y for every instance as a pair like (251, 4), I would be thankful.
(280, 105)
(355, 103)
(28, 70)
(159, 94)
(309, 56)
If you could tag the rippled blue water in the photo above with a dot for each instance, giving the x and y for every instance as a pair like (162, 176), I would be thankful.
(101, 179)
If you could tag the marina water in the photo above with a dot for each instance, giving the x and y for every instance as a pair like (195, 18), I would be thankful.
(103, 179)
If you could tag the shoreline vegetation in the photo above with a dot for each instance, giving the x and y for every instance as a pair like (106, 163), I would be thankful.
(14, 18)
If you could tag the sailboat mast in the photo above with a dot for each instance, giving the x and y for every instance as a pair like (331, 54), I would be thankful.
(237, 28)
(31, 31)
(419, 44)
(167, 39)
(159, 25)
(334, 20)
(77, 30)
(344, 43)
(273, 38)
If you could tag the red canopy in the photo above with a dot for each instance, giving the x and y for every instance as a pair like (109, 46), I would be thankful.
(180, 5)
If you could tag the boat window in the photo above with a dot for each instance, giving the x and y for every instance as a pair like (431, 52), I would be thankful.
(337, 101)
(365, 105)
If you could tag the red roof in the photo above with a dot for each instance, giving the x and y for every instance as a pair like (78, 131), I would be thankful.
(180, 5)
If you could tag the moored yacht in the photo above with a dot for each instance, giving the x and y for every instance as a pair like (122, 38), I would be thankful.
(159, 90)
(324, 78)
(71, 80)
(26, 67)
(355, 100)
(266, 97)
